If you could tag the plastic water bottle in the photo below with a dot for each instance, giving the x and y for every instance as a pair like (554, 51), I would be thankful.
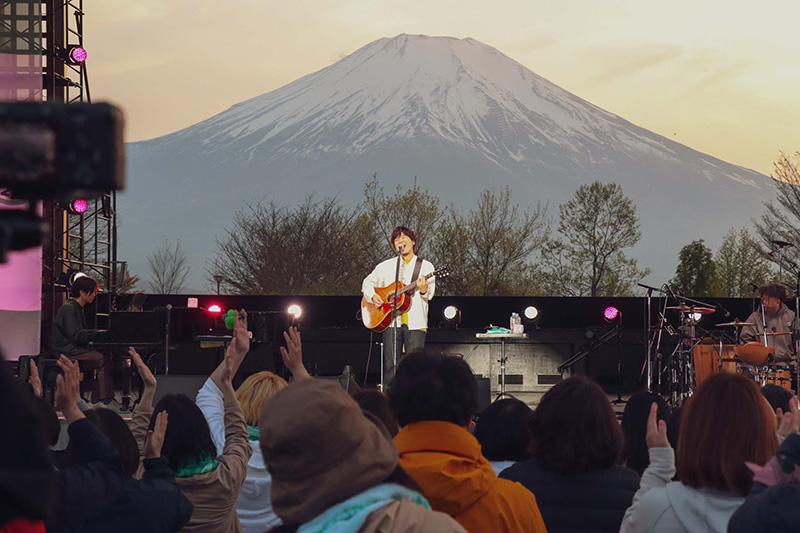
(516, 324)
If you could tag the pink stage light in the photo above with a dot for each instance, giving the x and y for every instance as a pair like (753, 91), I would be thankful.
(79, 206)
(77, 54)
(214, 309)
(611, 313)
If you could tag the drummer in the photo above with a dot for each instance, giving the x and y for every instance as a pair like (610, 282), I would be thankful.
(779, 319)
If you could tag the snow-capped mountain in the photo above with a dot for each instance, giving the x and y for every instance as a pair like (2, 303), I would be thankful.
(456, 113)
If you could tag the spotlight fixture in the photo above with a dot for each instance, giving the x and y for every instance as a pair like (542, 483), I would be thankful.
(695, 317)
(530, 314)
(452, 313)
(295, 310)
(612, 314)
(214, 308)
(78, 206)
(74, 276)
(76, 55)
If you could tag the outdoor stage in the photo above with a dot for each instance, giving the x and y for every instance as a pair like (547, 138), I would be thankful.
(334, 337)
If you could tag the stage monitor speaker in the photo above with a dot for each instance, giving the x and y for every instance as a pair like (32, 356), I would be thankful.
(484, 393)
(188, 385)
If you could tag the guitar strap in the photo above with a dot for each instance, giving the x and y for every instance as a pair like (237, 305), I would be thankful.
(417, 269)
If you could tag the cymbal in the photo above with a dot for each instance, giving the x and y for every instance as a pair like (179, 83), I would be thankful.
(769, 333)
(736, 323)
(683, 308)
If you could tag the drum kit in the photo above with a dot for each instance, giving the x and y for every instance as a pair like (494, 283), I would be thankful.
(699, 354)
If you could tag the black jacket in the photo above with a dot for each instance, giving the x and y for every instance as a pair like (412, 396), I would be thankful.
(83, 491)
(587, 501)
(155, 504)
(776, 508)
(69, 334)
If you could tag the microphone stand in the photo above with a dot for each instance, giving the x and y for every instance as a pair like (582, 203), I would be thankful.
(394, 317)
(648, 368)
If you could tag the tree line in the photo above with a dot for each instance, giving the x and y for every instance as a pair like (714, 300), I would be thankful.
(497, 248)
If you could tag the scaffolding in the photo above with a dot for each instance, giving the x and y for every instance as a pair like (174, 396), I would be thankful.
(76, 242)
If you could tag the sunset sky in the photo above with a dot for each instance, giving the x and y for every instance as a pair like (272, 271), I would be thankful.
(720, 77)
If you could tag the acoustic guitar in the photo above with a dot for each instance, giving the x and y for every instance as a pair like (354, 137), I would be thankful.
(379, 318)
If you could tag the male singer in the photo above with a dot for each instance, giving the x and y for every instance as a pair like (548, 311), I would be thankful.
(412, 325)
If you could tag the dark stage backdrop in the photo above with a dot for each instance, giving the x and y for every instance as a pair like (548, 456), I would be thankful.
(333, 335)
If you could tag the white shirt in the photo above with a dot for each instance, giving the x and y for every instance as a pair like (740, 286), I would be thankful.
(384, 274)
(253, 505)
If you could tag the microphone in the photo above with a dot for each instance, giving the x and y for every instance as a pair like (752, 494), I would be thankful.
(401, 248)
(169, 307)
(669, 289)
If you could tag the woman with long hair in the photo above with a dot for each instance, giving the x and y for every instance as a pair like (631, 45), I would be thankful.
(725, 424)
(211, 481)
(574, 473)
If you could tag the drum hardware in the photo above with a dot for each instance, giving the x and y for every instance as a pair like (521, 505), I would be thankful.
(692, 309)
(735, 323)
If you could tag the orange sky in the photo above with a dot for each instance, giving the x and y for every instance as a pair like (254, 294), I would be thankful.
(720, 79)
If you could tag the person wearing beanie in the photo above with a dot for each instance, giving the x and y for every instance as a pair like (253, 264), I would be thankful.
(434, 399)
(335, 469)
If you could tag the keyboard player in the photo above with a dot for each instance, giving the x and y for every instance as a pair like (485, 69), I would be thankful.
(71, 337)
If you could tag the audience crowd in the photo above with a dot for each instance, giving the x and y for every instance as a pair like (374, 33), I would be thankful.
(305, 456)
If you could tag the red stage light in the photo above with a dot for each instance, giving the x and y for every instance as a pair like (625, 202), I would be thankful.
(77, 54)
(214, 309)
(78, 206)
(611, 313)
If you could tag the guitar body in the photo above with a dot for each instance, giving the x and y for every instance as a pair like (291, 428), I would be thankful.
(379, 318)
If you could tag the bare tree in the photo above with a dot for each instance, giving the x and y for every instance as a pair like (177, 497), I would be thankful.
(168, 268)
(272, 249)
(781, 221)
(596, 225)
(491, 248)
(380, 214)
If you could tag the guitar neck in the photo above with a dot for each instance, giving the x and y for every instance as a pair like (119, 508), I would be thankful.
(411, 286)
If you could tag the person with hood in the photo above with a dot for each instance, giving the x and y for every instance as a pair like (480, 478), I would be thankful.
(715, 443)
(434, 399)
(576, 444)
(334, 467)
(211, 482)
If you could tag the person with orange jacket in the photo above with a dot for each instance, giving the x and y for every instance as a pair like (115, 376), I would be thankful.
(434, 399)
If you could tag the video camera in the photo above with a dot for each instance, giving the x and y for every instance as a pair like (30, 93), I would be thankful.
(55, 151)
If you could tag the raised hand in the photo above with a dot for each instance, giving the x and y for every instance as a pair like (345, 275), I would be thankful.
(240, 341)
(789, 421)
(144, 371)
(293, 357)
(68, 386)
(34, 380)
(155, 437)
(656, 430)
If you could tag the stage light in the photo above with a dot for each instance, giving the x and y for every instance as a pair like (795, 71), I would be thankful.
(214, 308)
(530, 313)
(295, 310)
(611, 314)
(74, 276)
(192, 303)
(76, 207)
(695, 317)
(76, 55)
(450, 313)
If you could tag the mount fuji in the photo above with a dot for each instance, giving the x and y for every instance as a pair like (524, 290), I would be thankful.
(456, 113)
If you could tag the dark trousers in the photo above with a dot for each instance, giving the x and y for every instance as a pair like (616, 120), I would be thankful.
(412, 339)
(103, 386)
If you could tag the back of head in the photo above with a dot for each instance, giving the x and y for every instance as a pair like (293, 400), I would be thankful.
(320, 449)
(433, 387)
(375, 402)
(634, 428)
(82, 283)
(502, 431)
(574, 428)
(188, 438)
(116, 429)
(255, 391)
(778, 397)
(725, 423)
